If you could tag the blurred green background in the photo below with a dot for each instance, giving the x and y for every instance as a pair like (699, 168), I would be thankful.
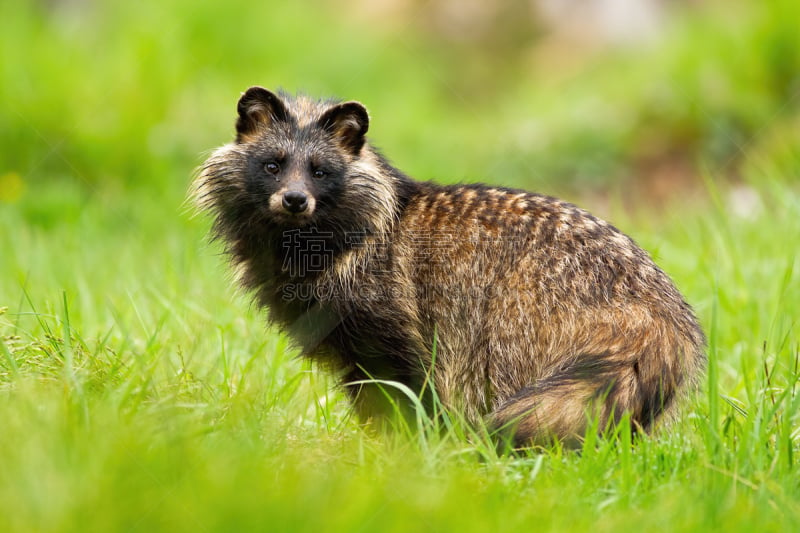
(138, 391)
(579, 97)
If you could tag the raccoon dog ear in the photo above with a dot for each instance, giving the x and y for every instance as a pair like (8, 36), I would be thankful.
(348, 122)
(258, 107)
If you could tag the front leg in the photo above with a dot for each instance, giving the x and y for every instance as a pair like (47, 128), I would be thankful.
(380, 404)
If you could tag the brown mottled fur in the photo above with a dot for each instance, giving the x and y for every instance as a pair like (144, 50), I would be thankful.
(542, 313)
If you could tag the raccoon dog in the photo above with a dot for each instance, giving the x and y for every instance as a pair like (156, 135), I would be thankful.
(543, 316)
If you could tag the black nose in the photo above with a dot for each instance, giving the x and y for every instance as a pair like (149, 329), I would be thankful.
(295, 201)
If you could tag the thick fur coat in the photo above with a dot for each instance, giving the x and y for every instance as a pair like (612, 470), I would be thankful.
(542, 314)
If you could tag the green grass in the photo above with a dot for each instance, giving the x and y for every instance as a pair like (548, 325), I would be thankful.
(139, 391)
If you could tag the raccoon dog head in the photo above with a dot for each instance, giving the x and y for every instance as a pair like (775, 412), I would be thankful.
(296, 163)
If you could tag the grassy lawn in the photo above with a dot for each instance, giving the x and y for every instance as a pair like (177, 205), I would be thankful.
(140, 392)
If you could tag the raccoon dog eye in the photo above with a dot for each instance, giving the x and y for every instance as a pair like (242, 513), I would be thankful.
(320, 173)
(272, 167)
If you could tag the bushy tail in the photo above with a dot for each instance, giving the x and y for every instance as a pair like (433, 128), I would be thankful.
(606, 386)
